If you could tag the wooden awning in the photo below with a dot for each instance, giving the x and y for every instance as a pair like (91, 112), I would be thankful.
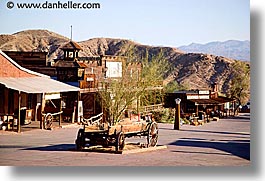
(223, 99)
(213, 101)
(205, 102)
(36, 85)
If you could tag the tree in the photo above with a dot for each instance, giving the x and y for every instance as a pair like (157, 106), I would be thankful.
(125, 92)
(117, 95)
(240, 83)
(152, 76)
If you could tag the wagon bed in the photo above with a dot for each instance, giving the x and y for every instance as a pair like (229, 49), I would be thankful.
(96, 133)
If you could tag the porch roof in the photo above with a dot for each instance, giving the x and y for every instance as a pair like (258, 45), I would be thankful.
(205, 101)
(213, 101)
(223, 99)
(36, 85)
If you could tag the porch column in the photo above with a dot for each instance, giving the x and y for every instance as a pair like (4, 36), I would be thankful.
(42, 110)
(18, 118)
(61, 108)
(79, 98)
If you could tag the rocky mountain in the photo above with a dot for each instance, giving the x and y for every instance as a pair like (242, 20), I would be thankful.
(33, 40)
(198, 70)
(239, 50)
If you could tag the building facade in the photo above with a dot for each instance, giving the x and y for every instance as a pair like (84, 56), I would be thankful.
(201, 102)
(24, 89)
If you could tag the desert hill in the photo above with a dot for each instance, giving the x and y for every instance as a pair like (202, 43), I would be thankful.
(195, 69)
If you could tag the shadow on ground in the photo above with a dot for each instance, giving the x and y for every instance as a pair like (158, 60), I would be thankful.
(240, 148)
(59, 147)
(72, 147)
(218, 132)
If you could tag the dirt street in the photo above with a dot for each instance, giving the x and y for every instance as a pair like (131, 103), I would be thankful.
(222, 143)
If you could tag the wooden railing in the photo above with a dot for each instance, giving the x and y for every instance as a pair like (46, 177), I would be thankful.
(155, 107)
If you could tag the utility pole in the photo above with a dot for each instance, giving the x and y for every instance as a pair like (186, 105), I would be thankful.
(71, 32)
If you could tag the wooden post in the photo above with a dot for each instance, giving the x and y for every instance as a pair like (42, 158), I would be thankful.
(36, 111)
(234, 111)
(61, 115)
(197, 110)
(137, 107)
(177, 115)
(79, 98)
(42, 110)
(13, 124)
(73, 115)
(18, 119)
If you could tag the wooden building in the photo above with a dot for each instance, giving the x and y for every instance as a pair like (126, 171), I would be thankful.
(23, 89)
(28, 59)
(33, 60)
(87, 73)
(195, 102)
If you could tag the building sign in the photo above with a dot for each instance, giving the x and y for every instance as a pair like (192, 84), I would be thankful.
(203, 92)
(89, 79)
(114, 69)
(52, 96)
(198, 97)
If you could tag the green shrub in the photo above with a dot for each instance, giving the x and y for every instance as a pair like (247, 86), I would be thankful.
(166, 115)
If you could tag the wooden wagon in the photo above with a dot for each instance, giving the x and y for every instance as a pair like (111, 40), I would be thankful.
(96, 133)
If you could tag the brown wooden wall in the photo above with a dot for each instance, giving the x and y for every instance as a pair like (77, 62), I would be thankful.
(10, 70)
(26, 59)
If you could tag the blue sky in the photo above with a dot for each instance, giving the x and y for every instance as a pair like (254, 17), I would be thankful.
(153, 22)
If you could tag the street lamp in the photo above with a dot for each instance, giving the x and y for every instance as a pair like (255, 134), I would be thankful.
(177, 114)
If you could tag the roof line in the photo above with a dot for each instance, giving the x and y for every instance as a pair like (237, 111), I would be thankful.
(20, 67)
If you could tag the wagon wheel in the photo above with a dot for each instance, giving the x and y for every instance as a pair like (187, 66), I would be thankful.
(152, 136)
(80, 140)
(120, 142)
(48, 121)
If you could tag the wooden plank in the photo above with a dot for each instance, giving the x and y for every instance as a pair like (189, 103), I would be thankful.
(102, 127)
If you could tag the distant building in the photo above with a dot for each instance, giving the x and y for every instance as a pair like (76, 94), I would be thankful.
(206, 101)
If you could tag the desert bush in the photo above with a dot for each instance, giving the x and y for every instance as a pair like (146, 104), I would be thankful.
(166, 115)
